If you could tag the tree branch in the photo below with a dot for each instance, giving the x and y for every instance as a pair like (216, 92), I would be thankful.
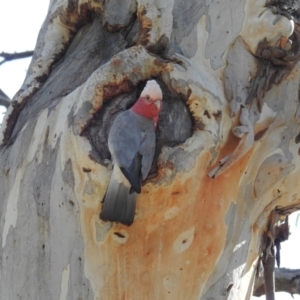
(286, 280)
(269, 280)
(12, 56)
(4, 99)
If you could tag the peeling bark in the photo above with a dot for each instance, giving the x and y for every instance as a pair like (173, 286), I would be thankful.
(194, 236)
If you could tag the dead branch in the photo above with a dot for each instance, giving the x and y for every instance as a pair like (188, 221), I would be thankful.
(12, 56)
(4, 99)
(269, 280)
(286, 280)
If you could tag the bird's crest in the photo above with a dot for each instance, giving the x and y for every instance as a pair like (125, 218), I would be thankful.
(153, 90)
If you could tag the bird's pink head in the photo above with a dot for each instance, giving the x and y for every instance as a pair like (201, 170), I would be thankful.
(150, 102)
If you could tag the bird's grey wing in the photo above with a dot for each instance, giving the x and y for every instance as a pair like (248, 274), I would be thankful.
(124, 143)
(133, 174)
(123, 140)
(147, 150)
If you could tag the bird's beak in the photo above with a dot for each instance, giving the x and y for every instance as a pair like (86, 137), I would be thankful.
(158, 104)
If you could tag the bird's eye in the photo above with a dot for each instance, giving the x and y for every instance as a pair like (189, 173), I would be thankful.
(147, 97)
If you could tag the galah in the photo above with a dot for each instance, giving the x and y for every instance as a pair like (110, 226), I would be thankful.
(131, 142)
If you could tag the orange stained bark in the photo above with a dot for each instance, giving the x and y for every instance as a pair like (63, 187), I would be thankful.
(175, 241)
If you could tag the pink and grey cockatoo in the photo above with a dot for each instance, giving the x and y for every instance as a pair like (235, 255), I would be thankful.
(131, 142)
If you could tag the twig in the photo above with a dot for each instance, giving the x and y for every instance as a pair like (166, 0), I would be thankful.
(4, 99)
(12, 56)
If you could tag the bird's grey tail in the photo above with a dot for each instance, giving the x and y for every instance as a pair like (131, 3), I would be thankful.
(119, 204)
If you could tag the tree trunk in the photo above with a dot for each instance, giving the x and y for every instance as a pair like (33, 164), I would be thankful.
(230, 80)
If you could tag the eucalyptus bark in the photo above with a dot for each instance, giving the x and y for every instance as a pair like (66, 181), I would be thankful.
(230, 79)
